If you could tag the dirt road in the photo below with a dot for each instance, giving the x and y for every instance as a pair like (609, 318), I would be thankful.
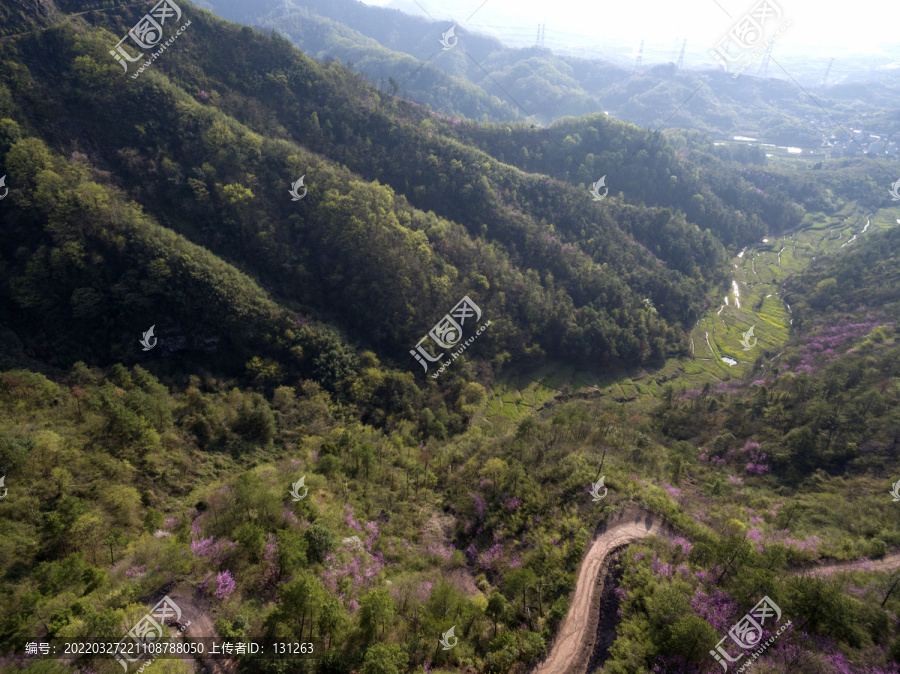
(200, 615)
(570, 650)
(569, 647)
(885, 565)
(199, 612)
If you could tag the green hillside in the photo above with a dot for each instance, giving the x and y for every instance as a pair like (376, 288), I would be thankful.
(453, 500)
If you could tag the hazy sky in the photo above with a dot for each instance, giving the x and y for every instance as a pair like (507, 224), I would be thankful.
(863, 27)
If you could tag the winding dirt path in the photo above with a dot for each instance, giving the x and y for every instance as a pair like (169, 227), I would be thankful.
(571, 647)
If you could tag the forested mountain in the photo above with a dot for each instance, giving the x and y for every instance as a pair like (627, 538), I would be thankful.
(203, 157)
(486, 81)
(274, 460)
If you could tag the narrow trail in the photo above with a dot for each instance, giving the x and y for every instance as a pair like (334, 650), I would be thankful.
(573, 644)
(885, 565)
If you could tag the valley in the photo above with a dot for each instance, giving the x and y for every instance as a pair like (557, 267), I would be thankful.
(757, 275)
(244, 364)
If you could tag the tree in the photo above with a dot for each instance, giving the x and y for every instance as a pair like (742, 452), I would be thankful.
(301, 599)
(519, 580)
(385, 659)
(825, 290)
(14, 451)
(526, 428)
(495, 469)
(26, 158)
(10, 131)
(687, 636)
(332, 620)
(153, 520)
(252, 539)
(255, 421)
(667, 602)
(114, 538)
(87, 533)
(320, 541)
(292, 547)
(496, 609)
(104, 624)
(265, 370)
(376, 607)
(250, 495)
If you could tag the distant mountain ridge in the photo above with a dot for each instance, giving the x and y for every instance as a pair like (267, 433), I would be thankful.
(536, 82)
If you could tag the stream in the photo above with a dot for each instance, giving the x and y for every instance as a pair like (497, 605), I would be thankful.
(868, 222)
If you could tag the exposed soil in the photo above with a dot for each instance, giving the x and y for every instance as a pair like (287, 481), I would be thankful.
(589, 628)
(199, 612)
(572, 648)
(463, 580)
(885, 565)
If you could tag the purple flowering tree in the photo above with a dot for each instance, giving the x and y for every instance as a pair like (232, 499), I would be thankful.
(224, 585)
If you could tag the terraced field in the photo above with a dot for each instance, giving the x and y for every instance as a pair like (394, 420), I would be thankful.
(751, 300)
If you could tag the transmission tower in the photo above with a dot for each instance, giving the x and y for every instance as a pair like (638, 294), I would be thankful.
(827, 72)
(543, 28)
(680, 63)
(764, 66)
(537, 40)
(640, 57)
